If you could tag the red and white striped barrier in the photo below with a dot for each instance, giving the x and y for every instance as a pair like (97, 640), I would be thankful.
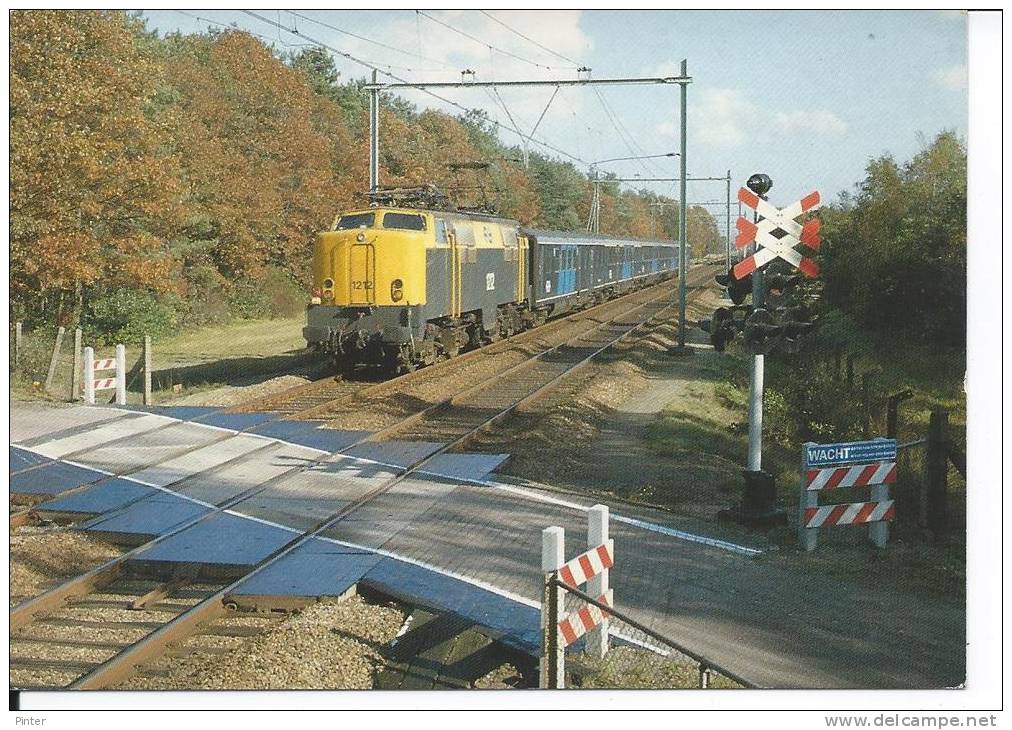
(859, 475)
(875, 473)
(591, 567)
(92, 384)
(854, 513)
(585, 619)
(584, 567)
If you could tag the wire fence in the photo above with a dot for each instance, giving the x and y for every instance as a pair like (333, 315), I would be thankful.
(639, 657)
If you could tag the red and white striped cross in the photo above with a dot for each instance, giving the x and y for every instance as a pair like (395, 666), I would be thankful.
(769, 246)
(586, 565)
(585, 619)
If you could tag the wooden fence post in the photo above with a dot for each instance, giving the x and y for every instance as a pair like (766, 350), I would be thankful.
(75, 378)
(147, 370)
(553, 656)
(17, 343)
(866, 405)
(56, 356)
(933, 495)
(893, 412)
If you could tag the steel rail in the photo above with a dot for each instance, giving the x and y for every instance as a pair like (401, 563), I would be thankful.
(125, 663)
(496, 377)
(430, 371)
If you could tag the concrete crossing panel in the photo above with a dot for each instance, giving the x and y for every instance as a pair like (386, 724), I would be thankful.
(104, 497)
(149, 517)
(310, 434)
(199, 460)
(222, 539)
(36, 420)
(375, 523)
(398, 453)
(23, 459)
(465, 466)
(317, 569)
(53, 479)
(133, 426)
(311, 497)
(515, 623)
(143, 449)
(256, 469)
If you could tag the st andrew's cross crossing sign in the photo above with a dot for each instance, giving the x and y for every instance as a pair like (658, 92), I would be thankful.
(769, 246)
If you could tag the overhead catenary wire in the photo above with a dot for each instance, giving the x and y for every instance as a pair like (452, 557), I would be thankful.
(378, 69)
(363, 38)
(504, 52)
(295, 31)
(530, 40)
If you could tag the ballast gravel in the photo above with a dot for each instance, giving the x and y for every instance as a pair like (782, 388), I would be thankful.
(325, 646)
(42, 556)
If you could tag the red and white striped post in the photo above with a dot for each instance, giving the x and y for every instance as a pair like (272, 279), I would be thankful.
(559, 629)
(118, 382)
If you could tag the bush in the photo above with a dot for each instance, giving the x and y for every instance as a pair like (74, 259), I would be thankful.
(127, 315)
(273, 295)
(206, 302)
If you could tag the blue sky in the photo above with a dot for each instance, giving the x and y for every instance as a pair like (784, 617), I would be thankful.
(806, 96)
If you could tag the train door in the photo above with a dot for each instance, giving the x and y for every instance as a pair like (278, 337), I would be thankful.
(362, 273)
(521, 292)
(455, 268)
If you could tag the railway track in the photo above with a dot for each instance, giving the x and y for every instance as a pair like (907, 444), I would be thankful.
(60, 643)
(325, 398)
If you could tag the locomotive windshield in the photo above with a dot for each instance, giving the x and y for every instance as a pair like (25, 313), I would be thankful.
(404, 221)
(357, 220)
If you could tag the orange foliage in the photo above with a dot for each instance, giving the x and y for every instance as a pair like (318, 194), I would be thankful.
(89, 167)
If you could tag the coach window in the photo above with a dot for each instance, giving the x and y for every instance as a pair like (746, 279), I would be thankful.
(404, 221)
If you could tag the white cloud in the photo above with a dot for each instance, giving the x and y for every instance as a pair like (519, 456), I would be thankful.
(953, 78)
(729, 118)
(819, 121)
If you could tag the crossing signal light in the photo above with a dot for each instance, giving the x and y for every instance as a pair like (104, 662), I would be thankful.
(763, 334)
(760, 184)
(737, 289)
(760, 332)
(780, 284)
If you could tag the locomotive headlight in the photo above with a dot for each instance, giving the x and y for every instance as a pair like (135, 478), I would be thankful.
(328, 283)
(395, 290)
(360, 237)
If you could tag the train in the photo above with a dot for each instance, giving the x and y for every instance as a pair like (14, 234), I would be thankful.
(403, 287)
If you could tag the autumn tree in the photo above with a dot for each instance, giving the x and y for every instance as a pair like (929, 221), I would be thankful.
(93, 183)
(894, 255)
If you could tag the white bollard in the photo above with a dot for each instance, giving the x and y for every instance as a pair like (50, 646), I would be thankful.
(120, 375)
(89, 375)
(597, 534)
(553, 655)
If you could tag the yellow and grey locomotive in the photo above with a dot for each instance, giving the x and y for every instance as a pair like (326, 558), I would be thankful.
(403, 287)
